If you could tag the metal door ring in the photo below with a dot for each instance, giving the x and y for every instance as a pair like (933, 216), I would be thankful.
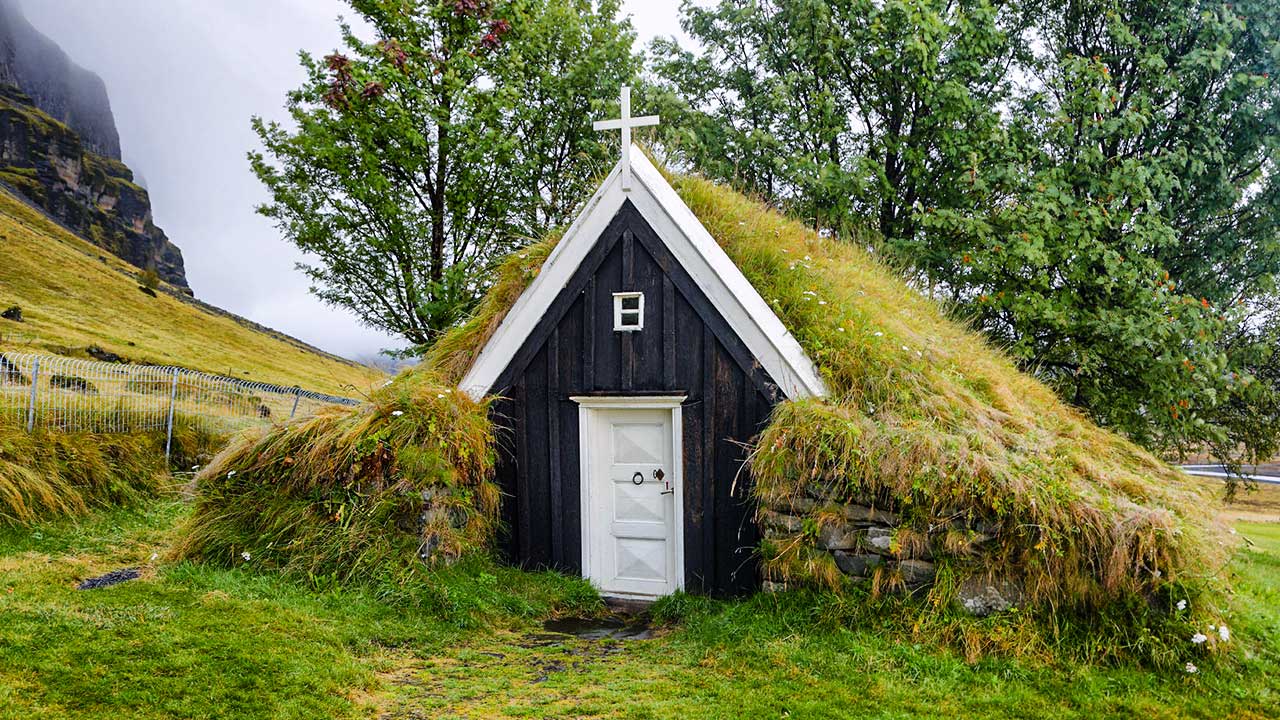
(637, 479)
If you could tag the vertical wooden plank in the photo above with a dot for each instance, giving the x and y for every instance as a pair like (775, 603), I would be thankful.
(552, 409)
(588, 336)
(571, 486)
(738, 551)
(628, 260)
(504, 474)
(709, 454)
(538, 461)
(608, 346)
(668, 334)
(519, 408)
(628, 360)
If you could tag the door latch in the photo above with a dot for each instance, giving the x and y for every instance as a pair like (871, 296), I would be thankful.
(659, 475)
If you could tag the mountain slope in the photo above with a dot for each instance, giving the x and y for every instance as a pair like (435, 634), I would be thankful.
(61, 88)
(93, 195)
(73, 295)
(59, 147)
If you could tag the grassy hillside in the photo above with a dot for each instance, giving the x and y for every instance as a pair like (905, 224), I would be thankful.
(74, 295)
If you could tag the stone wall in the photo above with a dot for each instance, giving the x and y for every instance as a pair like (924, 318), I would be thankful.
(865, 541)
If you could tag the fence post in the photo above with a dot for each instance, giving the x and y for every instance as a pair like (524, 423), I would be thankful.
(297, 395)
(173, 397)
(31, 404)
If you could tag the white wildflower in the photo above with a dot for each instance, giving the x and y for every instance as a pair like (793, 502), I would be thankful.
(439, 395)
(397, 413)
(231, 474)
(840, 329)
(807, 258)
(822, 302)
(195, 467)
(905, 349)
(245, 555)
(1223, 633)
(154, 556)
(879, 334)
(1192, 669)
(1182, 604)
(1198, 638)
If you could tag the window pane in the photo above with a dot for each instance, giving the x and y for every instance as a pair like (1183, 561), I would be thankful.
(630, 318)
(631, 303)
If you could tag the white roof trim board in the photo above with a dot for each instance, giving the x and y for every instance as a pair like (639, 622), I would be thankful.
(693, 247)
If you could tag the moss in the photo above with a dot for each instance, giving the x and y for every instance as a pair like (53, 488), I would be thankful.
(25, 180)
(353, 493)
(927, 418)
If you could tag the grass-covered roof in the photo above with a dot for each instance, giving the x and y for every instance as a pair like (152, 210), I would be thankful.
(925, 416)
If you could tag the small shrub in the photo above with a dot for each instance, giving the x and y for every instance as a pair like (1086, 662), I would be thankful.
(149, 279)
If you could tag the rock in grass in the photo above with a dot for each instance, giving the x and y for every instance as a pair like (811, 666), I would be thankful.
(837, 536)
(917, 572)
(13, 312)
(114, 577)
(880, 539)
(856, 564)
(778, 521)
(865, 514)
(983, 596)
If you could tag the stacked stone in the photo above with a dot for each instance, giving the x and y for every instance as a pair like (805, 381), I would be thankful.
(861, 539)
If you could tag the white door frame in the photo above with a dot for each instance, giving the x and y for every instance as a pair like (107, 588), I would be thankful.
(588, 405)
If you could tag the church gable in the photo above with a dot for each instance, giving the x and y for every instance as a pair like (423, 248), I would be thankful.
(690, 248)
(630, 317)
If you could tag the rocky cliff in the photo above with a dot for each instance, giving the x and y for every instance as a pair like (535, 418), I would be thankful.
(92, 195)
(64, 90)
(60, 149)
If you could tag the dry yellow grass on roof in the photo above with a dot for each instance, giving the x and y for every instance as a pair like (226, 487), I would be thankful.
(927, 418)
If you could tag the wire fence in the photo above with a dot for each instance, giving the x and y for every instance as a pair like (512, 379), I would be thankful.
(89, 396)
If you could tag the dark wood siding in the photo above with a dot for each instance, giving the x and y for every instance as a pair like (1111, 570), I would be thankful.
(686, 347)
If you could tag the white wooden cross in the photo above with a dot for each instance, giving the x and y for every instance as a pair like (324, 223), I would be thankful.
(625, 123)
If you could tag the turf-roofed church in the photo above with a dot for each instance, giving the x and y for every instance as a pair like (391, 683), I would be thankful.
(629, 377)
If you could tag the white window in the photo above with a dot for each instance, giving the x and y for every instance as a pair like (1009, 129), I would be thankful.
(628, 311)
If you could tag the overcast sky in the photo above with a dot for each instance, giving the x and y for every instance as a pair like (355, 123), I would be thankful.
(184, 77)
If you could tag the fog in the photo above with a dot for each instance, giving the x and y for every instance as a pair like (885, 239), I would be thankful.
(184, 77)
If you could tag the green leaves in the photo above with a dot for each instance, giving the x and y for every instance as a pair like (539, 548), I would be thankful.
(1103, 201)
(418, 159)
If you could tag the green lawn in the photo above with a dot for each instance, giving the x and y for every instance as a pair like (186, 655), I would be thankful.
(191, 641)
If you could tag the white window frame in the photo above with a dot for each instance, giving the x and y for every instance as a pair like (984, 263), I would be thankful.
(618, 311)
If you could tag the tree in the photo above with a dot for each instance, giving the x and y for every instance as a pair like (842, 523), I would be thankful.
(1129, 242)
(1093, 183)
(419, 158)
(848, 113)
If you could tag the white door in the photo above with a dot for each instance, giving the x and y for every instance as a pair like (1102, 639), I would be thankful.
(630, 528)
